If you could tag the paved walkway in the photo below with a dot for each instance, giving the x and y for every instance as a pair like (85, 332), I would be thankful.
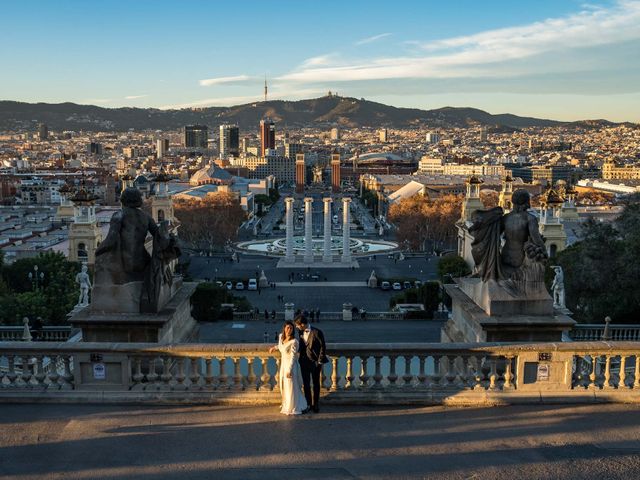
(245, 443)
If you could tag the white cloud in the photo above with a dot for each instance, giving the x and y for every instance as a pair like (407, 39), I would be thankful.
(134, 97)
(207, 82)
(488, 53)
(364, 41)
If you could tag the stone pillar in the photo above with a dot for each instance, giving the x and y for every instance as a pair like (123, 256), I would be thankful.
(289, 223)
(308, 230)
(347, 314)
(326, 256)
(346, 233)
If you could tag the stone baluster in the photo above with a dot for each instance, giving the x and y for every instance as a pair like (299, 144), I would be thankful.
(251, 375)
(436, 377)
(194, 372)
(407, 376)
(493, 375)
(422, 377)
(377, 376)
(12, 376)
(607, 372)
(152, 376)
(450, 373)
(622, 378)
(364, 374)
(180, 376)
(276, 376)
(237, 375)
(67, 376)
(40, 376)
(334, 373)
(54, 376)
(137, 376)
(265, 378)
(508, 376)
(393, 376)
(223, 379)
(26, 371)
(166, 372)
(325, 380)
(209, 378)
(349, 374)
(593, 377)
(457, 364)
(636, 373)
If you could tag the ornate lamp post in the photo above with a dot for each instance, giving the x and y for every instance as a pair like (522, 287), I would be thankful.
(36, 277)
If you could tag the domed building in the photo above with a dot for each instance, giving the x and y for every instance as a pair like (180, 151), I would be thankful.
(211, 174)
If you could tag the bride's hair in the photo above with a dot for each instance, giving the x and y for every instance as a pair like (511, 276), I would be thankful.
(293, 330)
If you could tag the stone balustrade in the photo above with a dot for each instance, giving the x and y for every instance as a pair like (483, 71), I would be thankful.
(48, 334)
(617, 332)
(324, 316)
(357, 373)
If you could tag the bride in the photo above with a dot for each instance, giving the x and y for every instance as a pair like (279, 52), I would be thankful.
(289, 378)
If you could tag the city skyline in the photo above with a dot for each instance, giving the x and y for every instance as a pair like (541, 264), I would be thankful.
(560, 60)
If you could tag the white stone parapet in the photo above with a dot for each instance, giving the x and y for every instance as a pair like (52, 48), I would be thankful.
(326, 256)
(289, 255)
(406, 373)
(346, 230)
(308, 230)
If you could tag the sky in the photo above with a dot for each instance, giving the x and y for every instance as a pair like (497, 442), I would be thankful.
(558, 59)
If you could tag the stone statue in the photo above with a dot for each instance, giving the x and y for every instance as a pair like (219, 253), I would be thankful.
(317, 174)
(84, 281)
(558, 288)
(123, 260)
(508, 248)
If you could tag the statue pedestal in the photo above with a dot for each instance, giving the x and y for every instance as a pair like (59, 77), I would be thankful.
(508, 319)
(173, 323)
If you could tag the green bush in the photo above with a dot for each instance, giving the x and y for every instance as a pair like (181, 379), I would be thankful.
(206, 303)
(453, 266)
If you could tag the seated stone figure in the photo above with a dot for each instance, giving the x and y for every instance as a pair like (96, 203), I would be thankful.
(127, 278)
(508, 248)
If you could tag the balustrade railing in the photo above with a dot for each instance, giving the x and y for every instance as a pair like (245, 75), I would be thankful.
(47, 334)
(327, 316)
(595, 332)
(362, 373)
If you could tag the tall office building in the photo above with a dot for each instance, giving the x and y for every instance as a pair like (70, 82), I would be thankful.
(43, 131)
(162, 145)
(229, 141)
(433, 137)
(335, 134)
(267, 135)
(196, 136)
(383, 135)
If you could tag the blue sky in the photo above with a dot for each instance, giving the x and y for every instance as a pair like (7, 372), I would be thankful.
(555, 59)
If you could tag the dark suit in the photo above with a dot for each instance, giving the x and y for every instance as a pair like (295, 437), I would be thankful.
(312, 357)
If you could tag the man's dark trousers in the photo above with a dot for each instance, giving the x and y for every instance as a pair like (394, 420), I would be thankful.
(311, 373)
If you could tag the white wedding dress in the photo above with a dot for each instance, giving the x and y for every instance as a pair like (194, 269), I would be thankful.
(293, 401)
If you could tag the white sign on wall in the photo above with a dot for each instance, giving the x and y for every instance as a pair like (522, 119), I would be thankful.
(99, 371)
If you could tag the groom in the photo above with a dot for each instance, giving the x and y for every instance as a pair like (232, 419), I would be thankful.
(312, 357)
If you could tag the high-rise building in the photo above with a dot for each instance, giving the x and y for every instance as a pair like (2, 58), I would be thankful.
(43, 131)
(267, 135)
(94, 148)
(433, 137)
(196, 136)
(383, 134)
(483, 134)
(229, 141)
(162, 145)
(292, 149)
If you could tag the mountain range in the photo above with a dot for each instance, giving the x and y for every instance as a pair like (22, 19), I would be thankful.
(327, 111)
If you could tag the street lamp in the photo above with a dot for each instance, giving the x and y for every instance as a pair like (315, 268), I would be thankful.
(36, 277)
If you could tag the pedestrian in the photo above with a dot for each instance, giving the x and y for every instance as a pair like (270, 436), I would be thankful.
(312, 314)
(266, 315)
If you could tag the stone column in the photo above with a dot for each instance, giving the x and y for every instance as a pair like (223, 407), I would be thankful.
(289, 222)
(346, 222)
(308, 230)
(327, 257)
(289, 312)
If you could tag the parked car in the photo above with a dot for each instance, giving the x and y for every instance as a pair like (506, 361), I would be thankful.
(418, 283)
(239, 286)
(253, 284)
(406, 285)
(385, 286)
(219, 283)
(228, 285)
(397, 286)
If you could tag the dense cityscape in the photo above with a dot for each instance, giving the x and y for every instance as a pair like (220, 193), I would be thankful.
(329, 241)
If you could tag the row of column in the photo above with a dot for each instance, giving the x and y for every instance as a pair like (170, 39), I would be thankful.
(327, 257)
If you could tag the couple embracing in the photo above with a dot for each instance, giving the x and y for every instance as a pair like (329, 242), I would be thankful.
(301, 360)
